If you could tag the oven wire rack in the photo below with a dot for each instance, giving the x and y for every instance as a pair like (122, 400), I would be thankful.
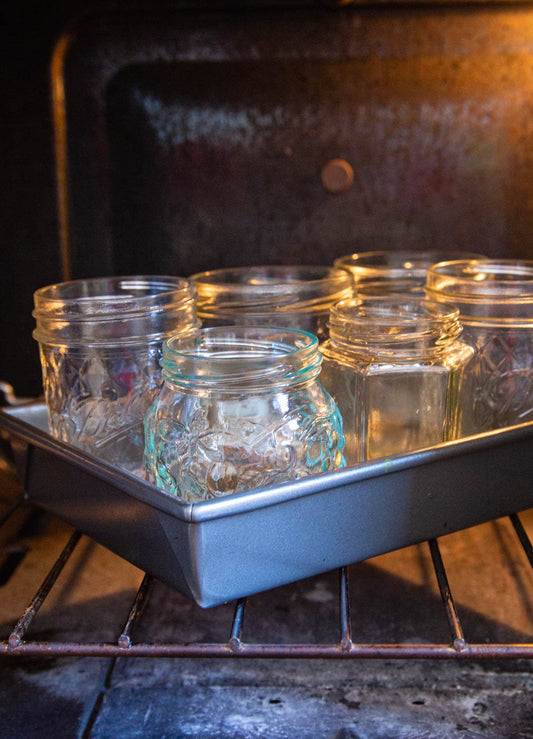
(18, 643)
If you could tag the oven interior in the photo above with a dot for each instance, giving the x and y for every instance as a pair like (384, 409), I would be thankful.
(191, 137)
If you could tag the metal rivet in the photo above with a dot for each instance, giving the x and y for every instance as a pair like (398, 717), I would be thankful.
(337, 176)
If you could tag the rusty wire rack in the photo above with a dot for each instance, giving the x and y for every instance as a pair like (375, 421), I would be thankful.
(18, 643)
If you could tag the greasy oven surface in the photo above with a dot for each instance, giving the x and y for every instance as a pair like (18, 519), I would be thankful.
(194, 140)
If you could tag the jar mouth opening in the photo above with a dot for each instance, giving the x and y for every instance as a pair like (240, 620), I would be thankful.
(105, 298)
(395, 286)
(393, 321)
(396, 264)
(238, 355)
(503, 281)
(394, 310)
(275, 275)
(268, 288)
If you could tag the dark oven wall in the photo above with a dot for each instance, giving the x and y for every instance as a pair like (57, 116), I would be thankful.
(30, 253)
(195, 137)
(30, 246)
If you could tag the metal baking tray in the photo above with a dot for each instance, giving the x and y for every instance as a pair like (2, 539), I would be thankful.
(217, 551)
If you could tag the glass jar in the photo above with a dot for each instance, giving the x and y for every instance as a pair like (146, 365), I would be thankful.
(293, 296)
(394, 272)
(495, 300)
(100, 343)
(394, 367)
(241, 408)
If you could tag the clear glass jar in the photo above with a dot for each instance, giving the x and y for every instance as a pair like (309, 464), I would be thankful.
(495, 301)
(293, 296)
(394, 367)
(395, 271)
(241, 408)
(100, 343)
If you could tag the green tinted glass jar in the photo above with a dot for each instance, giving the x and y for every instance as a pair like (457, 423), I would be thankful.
(241, 408)
(394, 367)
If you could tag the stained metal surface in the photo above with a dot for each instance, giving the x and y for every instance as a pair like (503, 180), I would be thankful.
(191, 141)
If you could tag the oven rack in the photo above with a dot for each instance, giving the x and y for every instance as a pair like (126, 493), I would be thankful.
(346, 647)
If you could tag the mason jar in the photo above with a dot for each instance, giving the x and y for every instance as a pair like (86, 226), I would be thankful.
(241, 408)
(394, 271)
(100, 343)
(495, 300)
(293, 296)
(394, 367)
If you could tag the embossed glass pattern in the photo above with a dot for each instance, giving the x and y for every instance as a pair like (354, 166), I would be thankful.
(294, 296)
(241, 408)
(394, 367)
(394, 271)
(495, 300)
(100, 345)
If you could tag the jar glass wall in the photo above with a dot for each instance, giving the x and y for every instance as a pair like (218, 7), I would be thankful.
(293, 296)
(241, 408)
(495, 300)
(395, 271)
(100, 343)
(394, 366)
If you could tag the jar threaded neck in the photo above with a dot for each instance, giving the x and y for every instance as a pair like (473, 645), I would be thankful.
(271, 289)
(492, 291)
(234, 358)
(110, 310)
(394, 327)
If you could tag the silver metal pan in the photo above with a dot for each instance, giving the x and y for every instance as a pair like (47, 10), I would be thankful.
(220, 550)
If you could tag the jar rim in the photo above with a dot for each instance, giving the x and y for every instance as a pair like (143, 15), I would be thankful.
(231, 357)
(393, 321)
(500, 280)
(106, 297)
(394, 309)
(397, 263)
(271, 288)
(271, 275)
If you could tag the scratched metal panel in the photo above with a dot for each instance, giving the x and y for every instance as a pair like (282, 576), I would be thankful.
(193, 140)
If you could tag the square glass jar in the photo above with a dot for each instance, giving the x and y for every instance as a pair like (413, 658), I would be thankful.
(394, 367)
